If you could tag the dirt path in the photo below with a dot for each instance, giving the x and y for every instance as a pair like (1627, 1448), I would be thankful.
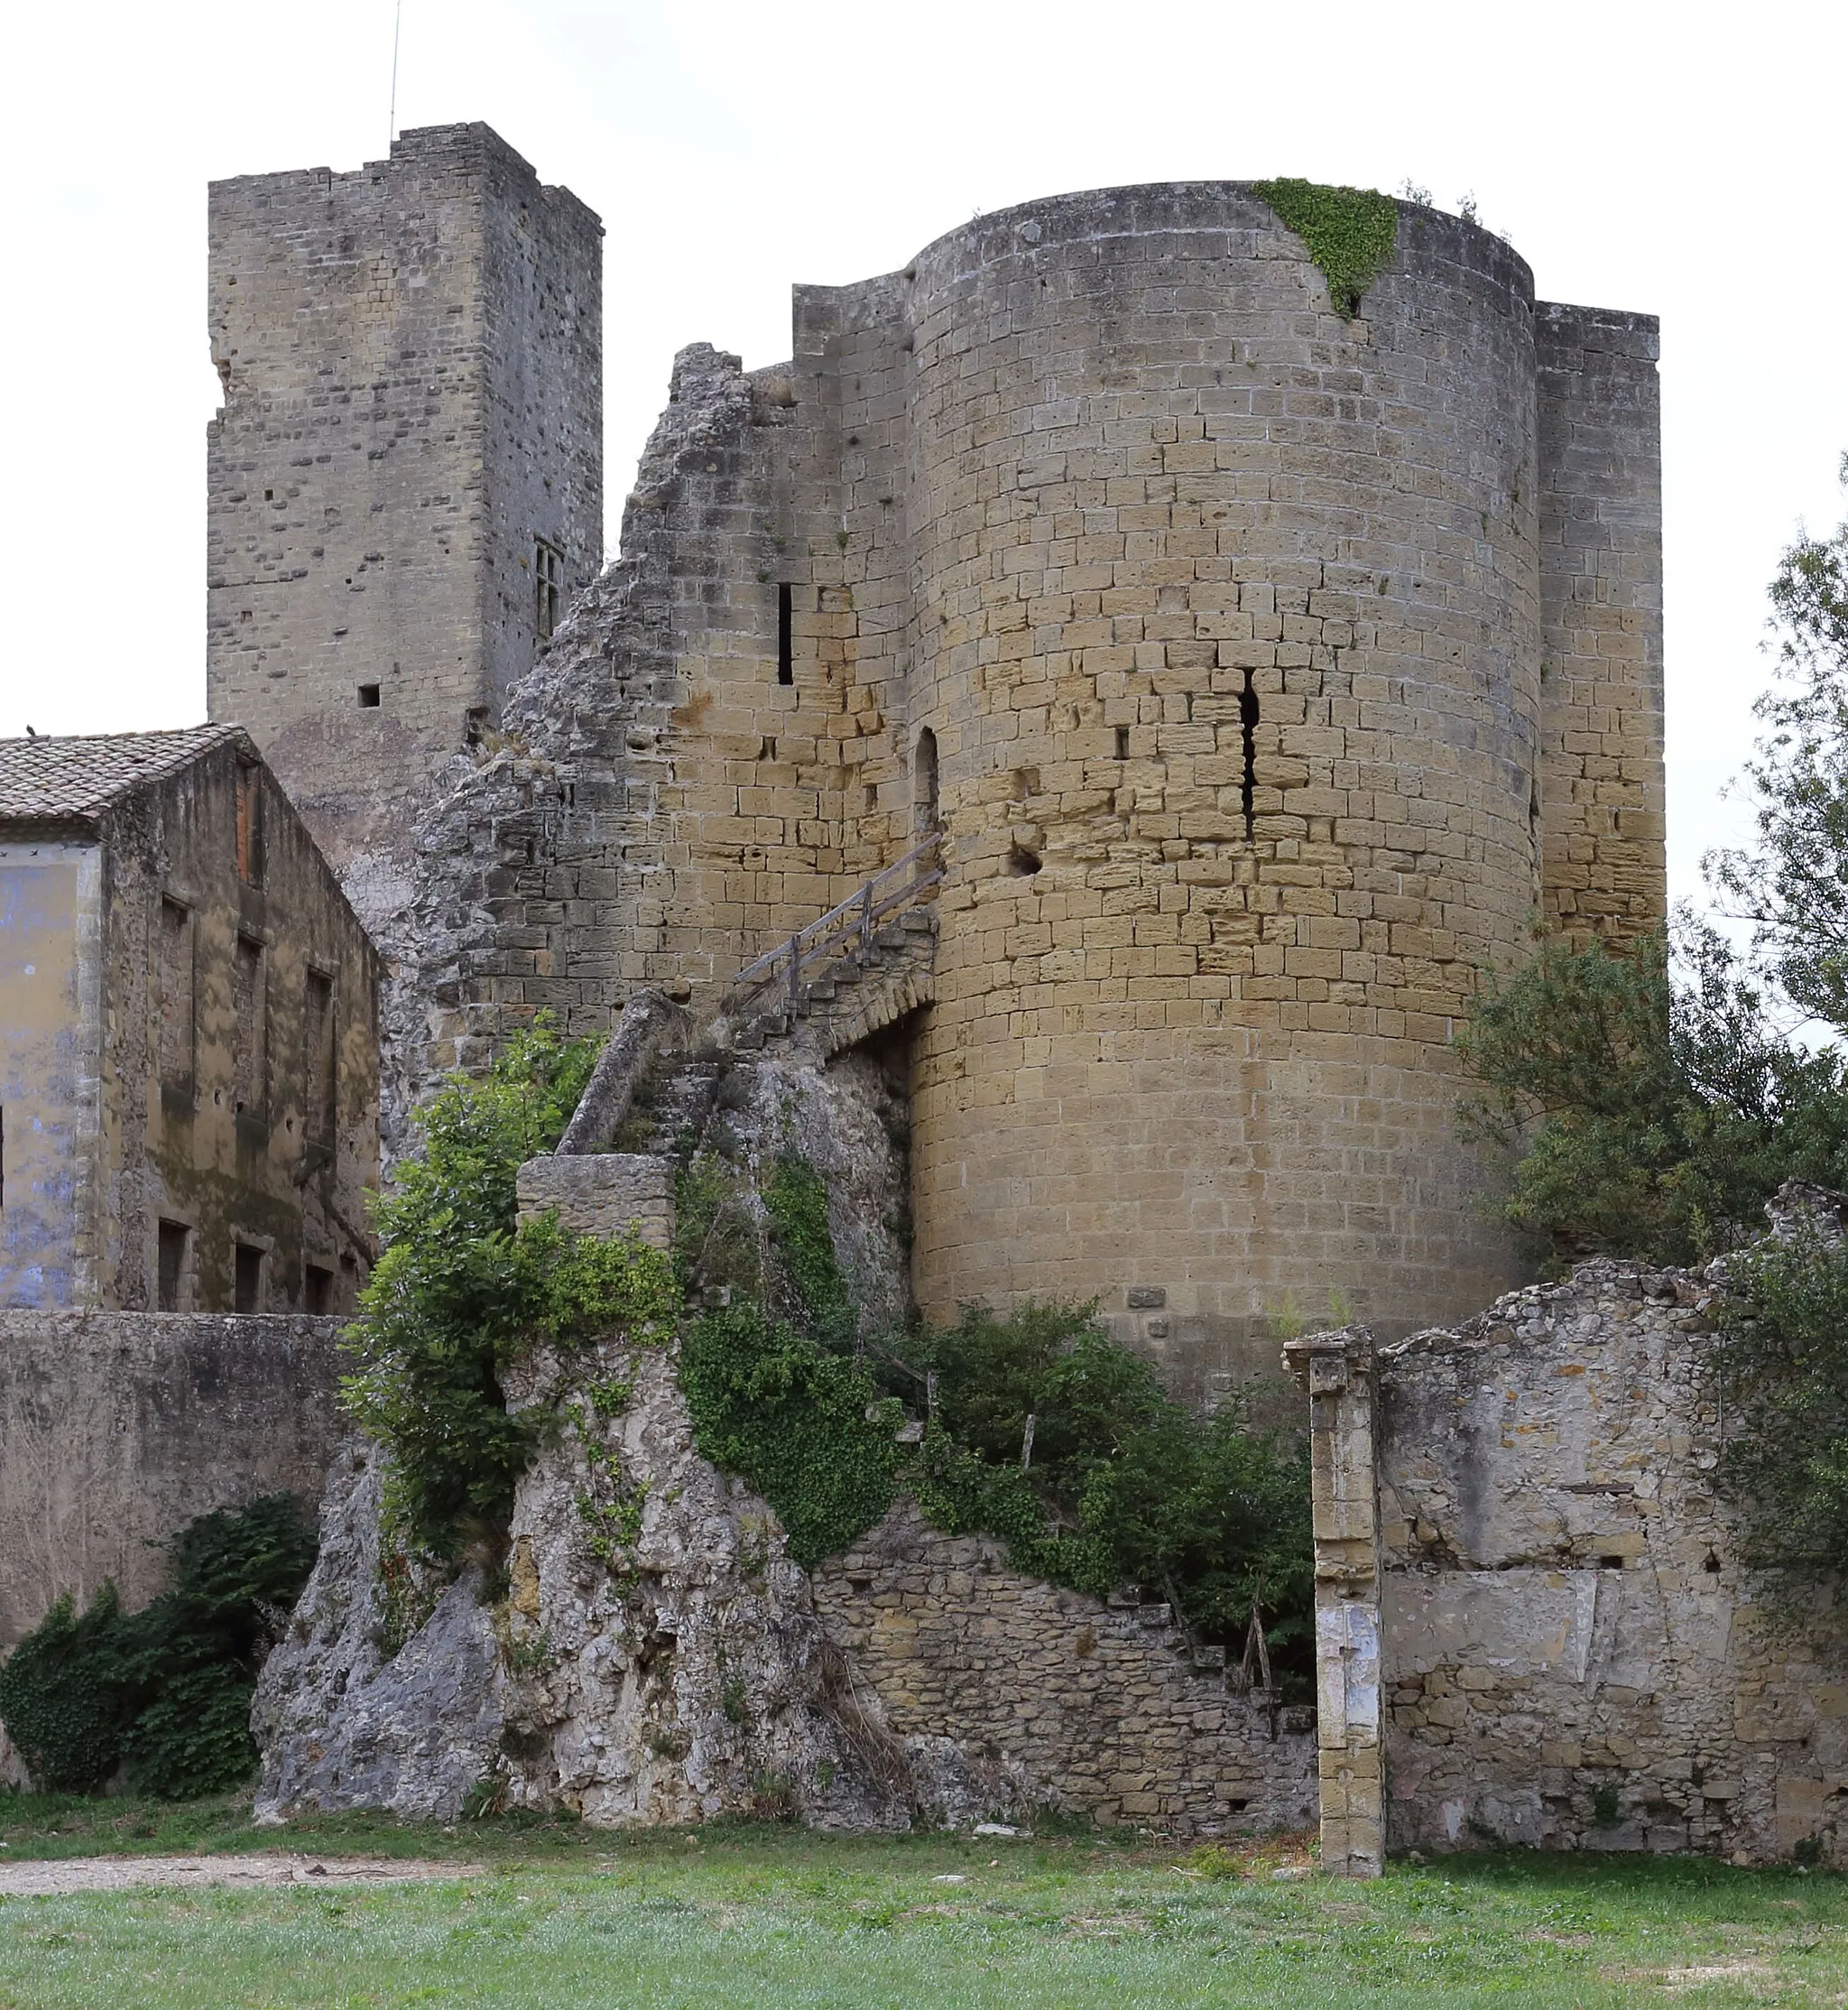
(116, 1873)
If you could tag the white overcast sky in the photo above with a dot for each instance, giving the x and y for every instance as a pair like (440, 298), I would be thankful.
(1677, 159)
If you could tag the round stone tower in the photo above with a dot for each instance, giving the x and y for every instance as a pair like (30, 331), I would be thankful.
(1270, 671)
(1228, 634)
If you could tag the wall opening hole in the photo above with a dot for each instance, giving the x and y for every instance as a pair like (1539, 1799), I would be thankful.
(1122, 743)
(316, 1289)
(1712, 1564)
(1022, 864)
(475, 726)
(549, 587)
(924, 801)
(872, 803)
(248, 1283)
(785, 635)
(766, 747)
(1248, 735)
(171, 1266)
(368, 698)
(1610, 1563)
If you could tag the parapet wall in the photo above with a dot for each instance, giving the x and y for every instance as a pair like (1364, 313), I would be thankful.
(117, 1428)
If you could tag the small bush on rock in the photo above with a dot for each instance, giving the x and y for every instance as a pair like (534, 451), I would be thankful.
(463, 1290)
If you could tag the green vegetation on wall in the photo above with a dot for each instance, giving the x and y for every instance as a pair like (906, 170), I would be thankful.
(462, 1291)
(1349, 232)
(164, 1692)
(1116, 1483)
(783, 1389)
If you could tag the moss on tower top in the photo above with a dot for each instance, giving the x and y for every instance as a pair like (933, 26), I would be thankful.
(1349, 232)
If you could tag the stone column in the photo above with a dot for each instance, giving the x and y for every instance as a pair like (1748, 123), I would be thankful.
(1336, 1372)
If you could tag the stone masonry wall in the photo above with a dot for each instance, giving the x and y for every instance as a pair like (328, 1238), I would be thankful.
(412, 361)
(1601, 792)
(116, 1428)
(1097, 1709)
(1574, 1655)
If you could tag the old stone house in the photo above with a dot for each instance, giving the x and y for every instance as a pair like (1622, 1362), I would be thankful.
(189, 1036)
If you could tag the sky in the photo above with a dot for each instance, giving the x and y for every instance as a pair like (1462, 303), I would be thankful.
(1672, 159)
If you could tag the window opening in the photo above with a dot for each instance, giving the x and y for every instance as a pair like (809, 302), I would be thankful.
(317, 1082)
(176, 994)
(170, 1265)
(368, 698)
(475, 726)
(248, 1286)
(785, 635)
(924, 798)
(316, 1289)
(1248, 734)
(247, 1012)
(1122, 743)
(549, 586)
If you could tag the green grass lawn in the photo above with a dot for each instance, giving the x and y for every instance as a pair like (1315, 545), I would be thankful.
(562, 1917)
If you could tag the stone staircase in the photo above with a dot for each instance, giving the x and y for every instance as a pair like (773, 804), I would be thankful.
(853, 992)
(862, 966)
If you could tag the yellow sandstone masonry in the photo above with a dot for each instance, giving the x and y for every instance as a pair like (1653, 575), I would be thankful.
(1270, 674)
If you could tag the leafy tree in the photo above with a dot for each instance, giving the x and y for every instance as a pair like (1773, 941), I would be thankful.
(1785, 1370)
(1793, 885)
(1644, 1115)
(463, 1290)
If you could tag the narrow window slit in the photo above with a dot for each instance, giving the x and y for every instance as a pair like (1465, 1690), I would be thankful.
(785, 635)
(1248, 734)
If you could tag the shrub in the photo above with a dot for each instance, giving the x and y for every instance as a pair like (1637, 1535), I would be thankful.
(58, 1699)
(165, 1691)
(463, 1290)
(774, 1406)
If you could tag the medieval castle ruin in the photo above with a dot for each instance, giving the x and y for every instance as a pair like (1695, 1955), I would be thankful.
(1065, 743)
(1267, 672)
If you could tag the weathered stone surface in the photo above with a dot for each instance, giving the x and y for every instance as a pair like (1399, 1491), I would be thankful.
(117, 1428)
(1572, 1655)
(340, 1726)
(1092, 1709)
(607, 1193)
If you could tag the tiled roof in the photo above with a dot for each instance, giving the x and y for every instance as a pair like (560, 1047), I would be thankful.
(54, 779)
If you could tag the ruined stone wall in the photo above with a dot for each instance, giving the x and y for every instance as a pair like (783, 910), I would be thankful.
(119, 1429)
(1600, 799)
(412, 361)
(1565, 1648)
(1097, 1709)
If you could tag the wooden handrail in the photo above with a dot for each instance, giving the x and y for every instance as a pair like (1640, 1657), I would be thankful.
(858, 913)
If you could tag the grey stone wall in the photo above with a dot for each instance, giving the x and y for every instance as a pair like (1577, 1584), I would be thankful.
(412, 361)
(119, 1429)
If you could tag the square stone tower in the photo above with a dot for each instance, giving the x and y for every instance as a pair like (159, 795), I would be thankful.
(405, 481)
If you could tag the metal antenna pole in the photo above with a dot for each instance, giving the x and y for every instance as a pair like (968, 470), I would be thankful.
(397, 22)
